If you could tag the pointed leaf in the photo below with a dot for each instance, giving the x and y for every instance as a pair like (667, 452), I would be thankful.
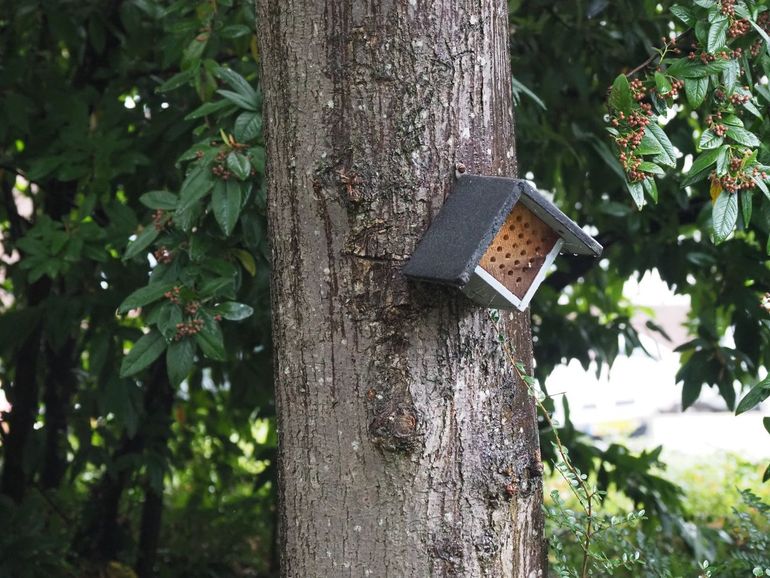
(723, 160)
(621, 99)
(210, 340)
(180, 358)
(756, 395)
(696, 89)
(163, 200)
(683, 14)
(238, 100)
(724, 216)
(143, 353)
(239, 165)
(248, 126)
(704, 161)
(141, 242)
(710, 140)
(742, 136)
(717, 35)
(144, 296)
(668, 157)
(198, 183)
(226, 203)
(637, 193)
(233, 311)
(746, 207)
(652, 189)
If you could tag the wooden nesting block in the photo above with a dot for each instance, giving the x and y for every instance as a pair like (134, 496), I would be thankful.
(519, 250)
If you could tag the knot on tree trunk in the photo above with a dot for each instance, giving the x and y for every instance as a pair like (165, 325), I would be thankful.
(396, 428)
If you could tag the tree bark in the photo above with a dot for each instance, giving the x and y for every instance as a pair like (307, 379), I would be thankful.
(407, 445)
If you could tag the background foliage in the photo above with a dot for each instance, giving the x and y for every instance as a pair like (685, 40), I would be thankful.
(118, 125)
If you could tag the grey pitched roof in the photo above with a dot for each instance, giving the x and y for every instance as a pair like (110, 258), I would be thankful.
(471, 217)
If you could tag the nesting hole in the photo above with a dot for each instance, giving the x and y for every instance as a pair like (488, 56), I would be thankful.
(518, 251)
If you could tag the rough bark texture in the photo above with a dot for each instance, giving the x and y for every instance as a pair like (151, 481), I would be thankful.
(407, 446)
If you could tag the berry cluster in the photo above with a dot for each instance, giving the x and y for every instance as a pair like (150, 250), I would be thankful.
(159, 220)
(163, 255)
(728, 8)
(738, 28)
(637, 89)
(188, 328)
(739, 99)
(173, 294)
(676, 87)
(192, 307)
(631, 165)
(219, 169)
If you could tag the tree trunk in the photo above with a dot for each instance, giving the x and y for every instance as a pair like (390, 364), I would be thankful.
(407, 445)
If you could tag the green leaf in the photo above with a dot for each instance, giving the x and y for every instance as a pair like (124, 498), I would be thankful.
(652, 189)
(710, 140)
(696, 89)
(238, 99)
(684, 68)
(724, 216)
(239, 165)
(762, 186)
(704, 161)
(141, 242)
(683, 14)
(637, 193)
(226, 203)
(662, 84)
(234, 31)
(143, 353)
(240, 85)
(208, 108)
(233, 311)
(159, 200)
(746, 207)
(668, 156)
(179, 79)
(180, 358)
(766, 475)
(169, 316)
(742, 136)
(198, 183)
(717, 35)
(621, 99)
(690, 393)
(248, 126)
(649, 145)
(518, 87)
(723, 160)
(651, 168)
(144, 296)
(756, 395)
(210, 340)
(730, 75)
(752, 108)
(766, 423)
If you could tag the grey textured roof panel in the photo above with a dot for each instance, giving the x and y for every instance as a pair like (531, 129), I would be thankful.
(463, 229)
(472, 215)
(576, 240)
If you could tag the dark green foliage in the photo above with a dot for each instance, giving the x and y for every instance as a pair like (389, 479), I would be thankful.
(113, 119)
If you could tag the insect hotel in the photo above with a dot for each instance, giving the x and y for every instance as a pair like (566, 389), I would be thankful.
(495, 239)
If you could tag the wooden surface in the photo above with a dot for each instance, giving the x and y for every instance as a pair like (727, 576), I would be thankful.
(518, 250)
